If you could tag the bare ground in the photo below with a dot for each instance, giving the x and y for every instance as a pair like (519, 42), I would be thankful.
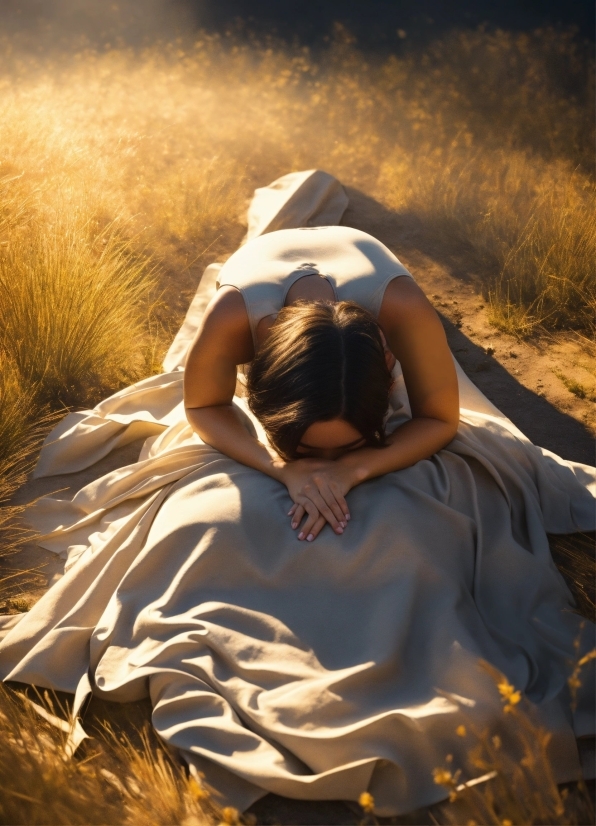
(535, 383)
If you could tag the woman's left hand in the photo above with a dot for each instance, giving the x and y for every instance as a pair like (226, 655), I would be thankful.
(318, 488)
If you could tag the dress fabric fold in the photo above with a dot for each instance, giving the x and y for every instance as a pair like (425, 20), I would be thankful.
(312, 670)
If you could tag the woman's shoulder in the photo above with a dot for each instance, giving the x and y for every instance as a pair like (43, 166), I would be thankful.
(299, 236)
(271, 257)
(281, 242)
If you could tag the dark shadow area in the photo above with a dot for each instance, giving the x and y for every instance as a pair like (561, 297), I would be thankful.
(380, 26)
(575, 558)
(385, 26)
(542, 423)
(273, 809)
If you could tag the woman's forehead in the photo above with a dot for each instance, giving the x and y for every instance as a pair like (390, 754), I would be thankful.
(331, 434)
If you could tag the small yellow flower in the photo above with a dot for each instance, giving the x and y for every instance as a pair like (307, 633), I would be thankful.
(509, 695)
(196, 790)
(591, 655)
(496, 742)
(442, 777)
(367, 801)
(461, 731)
(231, 816)
(505, 689)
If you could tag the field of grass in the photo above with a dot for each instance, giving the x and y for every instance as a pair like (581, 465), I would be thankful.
(122, 174)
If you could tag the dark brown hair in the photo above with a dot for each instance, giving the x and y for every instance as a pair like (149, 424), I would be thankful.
(320, 361)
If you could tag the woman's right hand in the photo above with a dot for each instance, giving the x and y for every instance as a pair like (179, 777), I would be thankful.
(317, 488)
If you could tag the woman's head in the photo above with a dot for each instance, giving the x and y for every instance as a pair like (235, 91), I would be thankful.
(322, 369)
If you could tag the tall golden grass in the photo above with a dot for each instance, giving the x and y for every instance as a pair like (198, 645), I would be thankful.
(123, 173)
(117, 781)
(121, 170)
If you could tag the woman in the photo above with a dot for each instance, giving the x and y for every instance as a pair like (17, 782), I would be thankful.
(321, 370)
(313, 669)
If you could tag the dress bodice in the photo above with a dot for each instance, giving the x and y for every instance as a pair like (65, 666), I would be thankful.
(357, 266)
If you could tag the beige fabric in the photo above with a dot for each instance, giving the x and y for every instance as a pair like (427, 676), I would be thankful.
(314, 670)
(356, 265)
(176, 355)
(300, 199)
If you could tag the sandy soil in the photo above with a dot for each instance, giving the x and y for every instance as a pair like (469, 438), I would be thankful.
(528, 381)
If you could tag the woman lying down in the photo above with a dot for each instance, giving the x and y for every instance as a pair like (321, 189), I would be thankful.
(305, 581)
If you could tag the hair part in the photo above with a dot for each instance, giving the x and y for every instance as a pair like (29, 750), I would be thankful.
(320, 361)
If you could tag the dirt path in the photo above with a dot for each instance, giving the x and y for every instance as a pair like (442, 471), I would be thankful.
(529, 382)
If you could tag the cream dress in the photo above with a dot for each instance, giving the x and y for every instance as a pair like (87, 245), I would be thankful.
(313, 670)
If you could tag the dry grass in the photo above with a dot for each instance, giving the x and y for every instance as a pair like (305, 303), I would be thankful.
(122, 174)
(71, 309)
(23, 423)
(505, 777)
(113, 781)
(513, 756)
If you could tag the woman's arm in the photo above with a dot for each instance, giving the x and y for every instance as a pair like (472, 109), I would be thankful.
(223, 341)
(416, 337)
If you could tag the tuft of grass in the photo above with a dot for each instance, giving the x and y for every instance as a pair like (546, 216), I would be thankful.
(71, 310)
(574, 557)
(576, 387)
(114, 782)
(23, 424)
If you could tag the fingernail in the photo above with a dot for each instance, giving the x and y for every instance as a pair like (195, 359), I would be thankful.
(289, 513)
(340, 530)
(310, 537)
(301, 536)
(294, 525)
(348, 517)
(342, 524)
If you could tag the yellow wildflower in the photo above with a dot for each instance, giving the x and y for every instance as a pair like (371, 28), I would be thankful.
(442, 777)
(196, 789)
(461, 731)
(509, 695)
(231, 816)
(367, 801)
(496, 742)
(505, 689)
